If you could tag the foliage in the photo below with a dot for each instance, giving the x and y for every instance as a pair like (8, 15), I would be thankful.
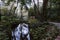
(37, 31)
(53, 10)
(8, 1)
(44, 32)
(3, 11)
(31, 12)
(6, 23)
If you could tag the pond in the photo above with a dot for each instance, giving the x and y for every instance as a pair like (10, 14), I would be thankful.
(21, 32)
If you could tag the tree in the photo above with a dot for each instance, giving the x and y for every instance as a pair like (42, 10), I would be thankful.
(36, 9)
(53, 10)
(45, 2)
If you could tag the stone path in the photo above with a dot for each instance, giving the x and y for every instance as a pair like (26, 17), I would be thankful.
(56, 24)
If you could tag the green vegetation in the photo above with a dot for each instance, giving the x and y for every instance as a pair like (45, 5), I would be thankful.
(38, 30)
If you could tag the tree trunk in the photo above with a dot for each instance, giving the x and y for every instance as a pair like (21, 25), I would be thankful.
(38, 10)
(44, 13)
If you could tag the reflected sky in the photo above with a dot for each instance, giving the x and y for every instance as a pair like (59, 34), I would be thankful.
(1, 3)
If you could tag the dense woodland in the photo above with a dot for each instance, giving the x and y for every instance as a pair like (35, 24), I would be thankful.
(39, 18)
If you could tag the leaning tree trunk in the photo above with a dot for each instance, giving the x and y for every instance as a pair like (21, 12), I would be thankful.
(38, 10)
(44, 13)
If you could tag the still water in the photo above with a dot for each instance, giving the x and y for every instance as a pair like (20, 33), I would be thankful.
(22, 29)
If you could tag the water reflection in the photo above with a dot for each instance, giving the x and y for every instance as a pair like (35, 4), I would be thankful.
(21, 32)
